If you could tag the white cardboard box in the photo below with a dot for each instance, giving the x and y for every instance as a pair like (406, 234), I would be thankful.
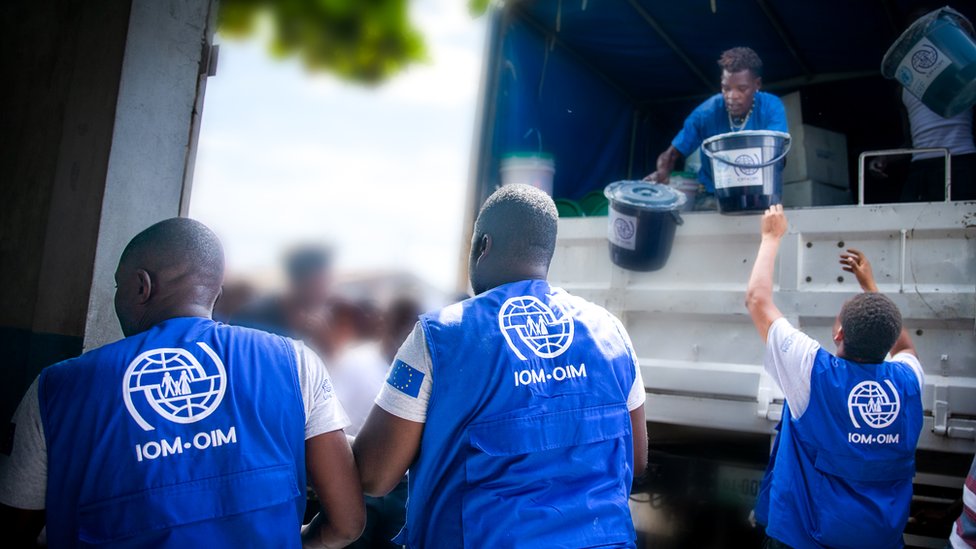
(799, 194)
(816, 153)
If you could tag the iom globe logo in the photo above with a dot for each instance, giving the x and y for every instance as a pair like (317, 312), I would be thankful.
(925, 58)
(174, 384)
(624, 228)
(545, 331)
(746, 160)
(875, 406)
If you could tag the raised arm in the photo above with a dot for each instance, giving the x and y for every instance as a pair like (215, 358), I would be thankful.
(854, 261)
(759, 294)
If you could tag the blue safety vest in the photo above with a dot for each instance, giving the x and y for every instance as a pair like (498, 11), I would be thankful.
(841, 475)
(189, 433)
(528, 441)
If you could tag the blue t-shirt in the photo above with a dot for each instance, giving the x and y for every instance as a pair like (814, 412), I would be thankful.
(711, 119)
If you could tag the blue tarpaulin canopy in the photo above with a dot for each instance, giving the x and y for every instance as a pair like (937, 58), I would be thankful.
(604, 85)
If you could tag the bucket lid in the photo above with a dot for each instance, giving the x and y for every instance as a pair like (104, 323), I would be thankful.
(893, 57)
(526, 155)
(645, 195)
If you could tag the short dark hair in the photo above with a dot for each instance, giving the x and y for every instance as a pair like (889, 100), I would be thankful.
(305, 261)
(182, 243)
(872, 324)
(741, 59)
(524, 220)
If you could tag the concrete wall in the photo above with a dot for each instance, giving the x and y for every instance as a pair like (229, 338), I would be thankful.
(99, 99)
(165, 56)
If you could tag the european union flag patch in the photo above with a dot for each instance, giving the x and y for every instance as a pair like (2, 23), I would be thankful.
(405, 378)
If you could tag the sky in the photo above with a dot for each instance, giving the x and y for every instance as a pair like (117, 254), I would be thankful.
(381, 174)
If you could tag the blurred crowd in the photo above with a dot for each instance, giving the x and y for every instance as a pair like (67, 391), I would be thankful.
(357, 337)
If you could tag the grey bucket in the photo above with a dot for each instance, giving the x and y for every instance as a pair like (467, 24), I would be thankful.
(747, 167)
(935, 60)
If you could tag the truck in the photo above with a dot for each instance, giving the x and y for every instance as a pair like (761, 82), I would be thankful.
(602, 87)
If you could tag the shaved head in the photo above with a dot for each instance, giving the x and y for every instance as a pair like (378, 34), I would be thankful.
(173, 268)
(514, 237)
(178, 243)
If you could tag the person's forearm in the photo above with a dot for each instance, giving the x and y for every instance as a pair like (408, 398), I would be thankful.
(332, 538)
(667, 159)
(869, 286)
(759, 295)
(322, 534)
(761, 280)
(759, 291)
(903, 344)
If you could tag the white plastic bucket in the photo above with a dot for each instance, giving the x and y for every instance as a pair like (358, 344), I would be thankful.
(935, 60)
(748, 169)
(533, 169)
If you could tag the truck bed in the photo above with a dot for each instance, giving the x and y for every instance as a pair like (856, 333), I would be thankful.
(700, 356)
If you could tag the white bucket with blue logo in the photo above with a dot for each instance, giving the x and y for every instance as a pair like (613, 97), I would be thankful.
(533, 169)
(935, 60)
(747, 168)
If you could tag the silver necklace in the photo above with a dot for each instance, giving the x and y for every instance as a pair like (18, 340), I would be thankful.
(739, 127)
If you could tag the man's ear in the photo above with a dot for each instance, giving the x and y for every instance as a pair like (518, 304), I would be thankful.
(758, 83)
(145, 286)
(839, 336)
(484, 246)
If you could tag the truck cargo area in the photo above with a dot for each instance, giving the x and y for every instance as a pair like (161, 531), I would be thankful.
(603, 87)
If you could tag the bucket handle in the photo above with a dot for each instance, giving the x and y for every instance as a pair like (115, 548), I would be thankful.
(711, 155)
(677, 217)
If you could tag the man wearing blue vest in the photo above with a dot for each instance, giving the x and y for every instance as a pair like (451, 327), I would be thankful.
(187, 432)
(840, 474)
(518, 413)
(740, 106)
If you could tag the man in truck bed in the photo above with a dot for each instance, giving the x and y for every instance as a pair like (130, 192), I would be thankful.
(841, 470)
(740, 106)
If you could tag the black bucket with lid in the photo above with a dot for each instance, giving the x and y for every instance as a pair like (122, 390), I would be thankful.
(641, 223)
(747, 167)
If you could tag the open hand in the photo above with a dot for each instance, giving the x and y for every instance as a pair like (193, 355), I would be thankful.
(659, 176)
(774, 222)
(854, 261)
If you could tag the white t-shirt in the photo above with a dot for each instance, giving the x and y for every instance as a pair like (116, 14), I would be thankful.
(415, 353)
(358, 375)
(931, 130)
(790, 355)
(23, 474)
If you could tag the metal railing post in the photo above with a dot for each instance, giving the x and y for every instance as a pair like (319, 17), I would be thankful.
(893, 152)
